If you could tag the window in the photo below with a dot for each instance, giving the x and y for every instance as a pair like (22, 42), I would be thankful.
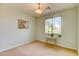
(53, 25)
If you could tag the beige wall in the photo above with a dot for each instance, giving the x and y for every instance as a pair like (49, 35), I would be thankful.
(69, 28)
(10, 35)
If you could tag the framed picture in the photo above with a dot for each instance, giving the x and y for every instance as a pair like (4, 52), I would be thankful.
(23, 24)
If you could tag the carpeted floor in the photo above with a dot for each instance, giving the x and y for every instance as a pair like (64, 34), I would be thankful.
(38, 48)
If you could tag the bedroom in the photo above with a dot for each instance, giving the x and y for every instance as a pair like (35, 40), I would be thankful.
(23, 31)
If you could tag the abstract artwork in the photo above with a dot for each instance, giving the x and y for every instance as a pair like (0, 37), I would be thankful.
(23, 24)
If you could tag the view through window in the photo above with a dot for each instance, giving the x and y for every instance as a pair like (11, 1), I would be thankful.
(53, 25)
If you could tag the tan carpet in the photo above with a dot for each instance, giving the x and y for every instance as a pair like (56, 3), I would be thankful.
(38, 49)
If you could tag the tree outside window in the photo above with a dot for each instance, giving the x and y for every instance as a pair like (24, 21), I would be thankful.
(53, 25)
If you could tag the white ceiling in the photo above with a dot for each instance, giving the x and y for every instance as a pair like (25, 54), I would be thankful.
(30, 8)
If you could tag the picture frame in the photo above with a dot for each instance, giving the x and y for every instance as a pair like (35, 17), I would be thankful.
(23, 24)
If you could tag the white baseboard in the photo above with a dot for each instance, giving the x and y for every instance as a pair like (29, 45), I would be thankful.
(22, 43)
(59, 45)
(14, 46)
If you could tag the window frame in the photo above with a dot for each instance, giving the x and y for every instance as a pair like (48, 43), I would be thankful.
(52, 25)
